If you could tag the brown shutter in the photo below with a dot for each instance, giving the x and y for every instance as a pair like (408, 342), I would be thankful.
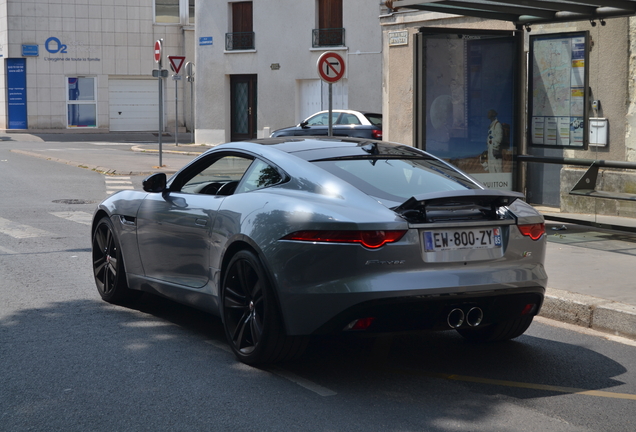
(242, 17)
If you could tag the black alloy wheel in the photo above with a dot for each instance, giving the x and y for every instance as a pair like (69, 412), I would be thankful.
(108, 265)
(250, 314)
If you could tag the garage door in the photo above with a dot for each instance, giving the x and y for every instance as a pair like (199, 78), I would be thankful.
(134, 105)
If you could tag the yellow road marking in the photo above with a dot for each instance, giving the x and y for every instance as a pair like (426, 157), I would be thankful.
(504, 383)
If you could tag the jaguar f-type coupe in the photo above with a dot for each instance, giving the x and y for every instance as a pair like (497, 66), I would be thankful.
(285, 238)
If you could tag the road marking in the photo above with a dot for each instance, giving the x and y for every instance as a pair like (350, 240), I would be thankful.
(585, 330)
(75, 216)
(115, 184)
(20, 231)
(504, 383)
(7, 251)
(309, 385)
(305, 383)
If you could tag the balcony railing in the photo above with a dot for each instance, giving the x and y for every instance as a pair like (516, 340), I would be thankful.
(328, 37)
(239, 41)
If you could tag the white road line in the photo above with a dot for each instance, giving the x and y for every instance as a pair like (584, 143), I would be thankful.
(75, 216)
(309, 385)
(115, 184)
(130, 187)
(7, 251)
(20, 231)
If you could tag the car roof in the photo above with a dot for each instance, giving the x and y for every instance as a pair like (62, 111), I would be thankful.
(314, 148)
(348, 111)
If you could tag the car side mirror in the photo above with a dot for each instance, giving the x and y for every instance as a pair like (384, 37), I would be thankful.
(155, 183)
(303, 124)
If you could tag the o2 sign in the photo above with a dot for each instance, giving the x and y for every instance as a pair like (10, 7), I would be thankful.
(54, 46)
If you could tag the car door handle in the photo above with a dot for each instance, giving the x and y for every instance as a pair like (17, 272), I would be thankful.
(201, 221)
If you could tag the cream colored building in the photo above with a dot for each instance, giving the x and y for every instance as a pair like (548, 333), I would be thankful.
(256, 63)
(88, 63)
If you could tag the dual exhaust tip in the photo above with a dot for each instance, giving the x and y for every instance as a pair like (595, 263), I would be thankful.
(457, 317)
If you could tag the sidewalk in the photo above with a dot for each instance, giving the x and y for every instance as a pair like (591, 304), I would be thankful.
(589, 268)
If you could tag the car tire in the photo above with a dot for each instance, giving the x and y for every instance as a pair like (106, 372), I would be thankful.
(108, 265)
(251, 317)
(500, 331)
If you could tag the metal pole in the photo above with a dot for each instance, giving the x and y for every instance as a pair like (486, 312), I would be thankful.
(160, 79)
(330, 133)
(176, 113)
(192, 109)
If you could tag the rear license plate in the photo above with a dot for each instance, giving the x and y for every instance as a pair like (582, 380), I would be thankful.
(468, 238)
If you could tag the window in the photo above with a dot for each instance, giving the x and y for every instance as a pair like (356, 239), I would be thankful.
(260, 175)
(241, 36)
(330, 31)
(213, 177)
(174, 11)
(81, 101)
(322, 119)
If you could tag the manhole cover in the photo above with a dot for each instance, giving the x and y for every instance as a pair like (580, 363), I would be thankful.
(73, 201)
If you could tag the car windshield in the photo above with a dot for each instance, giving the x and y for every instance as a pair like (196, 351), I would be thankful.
(375, 119)
(394, 180)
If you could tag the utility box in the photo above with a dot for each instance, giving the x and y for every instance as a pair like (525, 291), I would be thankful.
(599, 131)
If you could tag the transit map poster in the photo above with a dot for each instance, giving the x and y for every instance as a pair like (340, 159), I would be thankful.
(470, 104)
(557, 90)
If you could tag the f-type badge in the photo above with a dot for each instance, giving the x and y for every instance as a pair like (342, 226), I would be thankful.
(381, 262)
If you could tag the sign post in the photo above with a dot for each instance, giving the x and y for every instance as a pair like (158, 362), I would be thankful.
(159, 74)
(189, 71)
(176, 62)
(331, 69)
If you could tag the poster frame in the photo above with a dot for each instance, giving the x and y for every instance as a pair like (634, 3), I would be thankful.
(533, 39)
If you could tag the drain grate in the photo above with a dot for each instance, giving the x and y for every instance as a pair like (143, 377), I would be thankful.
(73, 201)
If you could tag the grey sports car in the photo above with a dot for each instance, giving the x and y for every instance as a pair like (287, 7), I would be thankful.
(285, 238)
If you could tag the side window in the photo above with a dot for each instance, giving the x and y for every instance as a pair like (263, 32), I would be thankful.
(220, 177)
(322, 119)
(81, 103)
(260, 175)
(349, 119)
(167, 11)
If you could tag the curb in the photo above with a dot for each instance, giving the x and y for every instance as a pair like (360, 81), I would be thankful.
(594, 313)
(140, 149)
(96, 168)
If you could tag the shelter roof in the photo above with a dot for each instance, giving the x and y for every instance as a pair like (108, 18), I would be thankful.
(525, 12)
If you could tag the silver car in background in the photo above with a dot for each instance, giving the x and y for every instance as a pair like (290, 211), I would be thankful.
(285, 238)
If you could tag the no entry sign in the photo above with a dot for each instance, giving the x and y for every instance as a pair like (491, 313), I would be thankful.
(157, 51)
(331, 67)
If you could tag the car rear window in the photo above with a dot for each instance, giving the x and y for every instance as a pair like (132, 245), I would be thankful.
(375, 119)
(394, 180)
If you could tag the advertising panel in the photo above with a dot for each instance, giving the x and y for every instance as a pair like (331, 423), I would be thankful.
(16, 93)
(470, 104)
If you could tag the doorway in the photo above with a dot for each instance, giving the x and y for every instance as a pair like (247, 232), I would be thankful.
(243, 107)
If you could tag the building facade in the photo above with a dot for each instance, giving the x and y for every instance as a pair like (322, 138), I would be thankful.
(256, 63)
(87, 64)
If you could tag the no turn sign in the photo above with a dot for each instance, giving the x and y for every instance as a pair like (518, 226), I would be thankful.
(331, 67)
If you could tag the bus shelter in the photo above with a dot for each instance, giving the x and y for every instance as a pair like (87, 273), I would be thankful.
(521, 94)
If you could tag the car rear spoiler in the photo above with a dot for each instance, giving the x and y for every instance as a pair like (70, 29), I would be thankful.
(469, 204)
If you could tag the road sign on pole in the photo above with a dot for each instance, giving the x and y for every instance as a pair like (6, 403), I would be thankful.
(176, 62)
(331, 67)
(158, 52)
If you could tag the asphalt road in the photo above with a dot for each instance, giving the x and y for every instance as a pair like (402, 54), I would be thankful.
(71, 362)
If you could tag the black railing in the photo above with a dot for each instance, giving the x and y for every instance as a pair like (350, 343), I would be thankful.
(239, 41)
(328, 37)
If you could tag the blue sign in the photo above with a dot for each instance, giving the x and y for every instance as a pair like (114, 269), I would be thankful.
(16, 93)
(205, 40)
(30, 50)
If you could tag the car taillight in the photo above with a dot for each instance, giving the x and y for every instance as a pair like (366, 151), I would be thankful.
(377, 134)
(534, 231)
(369, 239)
